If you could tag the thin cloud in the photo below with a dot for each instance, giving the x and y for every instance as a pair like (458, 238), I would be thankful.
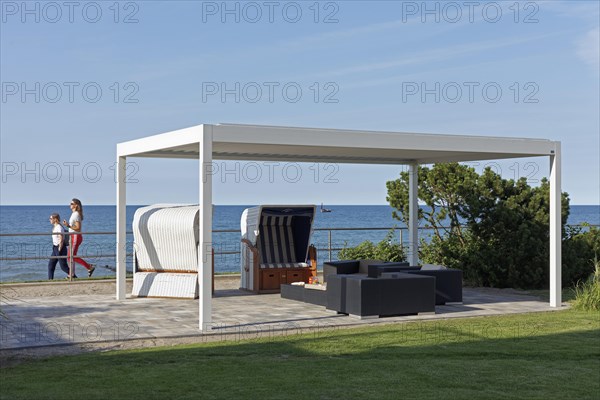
(436, 55)
(588, 48)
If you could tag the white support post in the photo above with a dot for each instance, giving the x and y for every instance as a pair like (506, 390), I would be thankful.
(413, 214)
(121, 231)
(555, 230)
(205, 250)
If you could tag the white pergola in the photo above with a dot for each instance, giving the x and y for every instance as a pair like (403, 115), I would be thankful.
(275, 143)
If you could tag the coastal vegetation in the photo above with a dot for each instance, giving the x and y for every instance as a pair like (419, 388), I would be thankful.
(587, 293)
(388, 250)
(495, 230)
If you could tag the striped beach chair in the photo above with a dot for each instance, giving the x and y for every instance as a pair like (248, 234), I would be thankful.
(276, 248)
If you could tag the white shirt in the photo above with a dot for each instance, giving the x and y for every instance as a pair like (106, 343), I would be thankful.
(56, 238)
(75, 217)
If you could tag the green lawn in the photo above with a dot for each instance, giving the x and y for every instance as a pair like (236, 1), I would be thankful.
(568, 294)
(552, 355)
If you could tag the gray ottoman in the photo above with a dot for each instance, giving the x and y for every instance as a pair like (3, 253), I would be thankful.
(367, 297)
(448, 284)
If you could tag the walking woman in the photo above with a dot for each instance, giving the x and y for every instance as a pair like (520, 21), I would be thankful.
(59, 247)
(74, 225)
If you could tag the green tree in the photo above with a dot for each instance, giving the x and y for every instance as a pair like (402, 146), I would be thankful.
(495, 230)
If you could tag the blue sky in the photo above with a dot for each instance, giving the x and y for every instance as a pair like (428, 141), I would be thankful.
(76, 81)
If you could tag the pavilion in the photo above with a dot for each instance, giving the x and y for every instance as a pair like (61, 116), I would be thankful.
(275, 143)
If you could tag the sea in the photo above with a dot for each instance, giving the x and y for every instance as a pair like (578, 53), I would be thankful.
(99, 249)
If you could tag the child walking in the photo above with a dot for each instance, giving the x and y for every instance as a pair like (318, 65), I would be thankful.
(59, 247)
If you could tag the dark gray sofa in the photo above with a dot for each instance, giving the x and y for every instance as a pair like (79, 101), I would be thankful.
(448, 283)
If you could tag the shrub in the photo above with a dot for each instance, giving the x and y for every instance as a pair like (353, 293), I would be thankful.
(386, 250)
(578, 249)
(587, 293)
(364, 251)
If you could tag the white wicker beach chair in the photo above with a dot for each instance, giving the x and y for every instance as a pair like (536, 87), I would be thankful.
(166, 251)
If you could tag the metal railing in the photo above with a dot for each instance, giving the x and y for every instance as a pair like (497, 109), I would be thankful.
(329, 249)
(70, 257)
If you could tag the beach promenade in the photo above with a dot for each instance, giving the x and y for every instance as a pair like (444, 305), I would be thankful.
(61, 318)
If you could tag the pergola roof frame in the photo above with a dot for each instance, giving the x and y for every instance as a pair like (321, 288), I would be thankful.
(274, 143)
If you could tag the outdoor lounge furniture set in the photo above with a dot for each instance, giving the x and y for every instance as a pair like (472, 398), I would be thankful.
(371, 288)
(276, 252)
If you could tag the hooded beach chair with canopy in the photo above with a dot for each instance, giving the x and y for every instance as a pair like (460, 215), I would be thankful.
(166, 241)
(276, 247)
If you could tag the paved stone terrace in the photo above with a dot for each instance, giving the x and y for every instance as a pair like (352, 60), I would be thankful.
(84, 319)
